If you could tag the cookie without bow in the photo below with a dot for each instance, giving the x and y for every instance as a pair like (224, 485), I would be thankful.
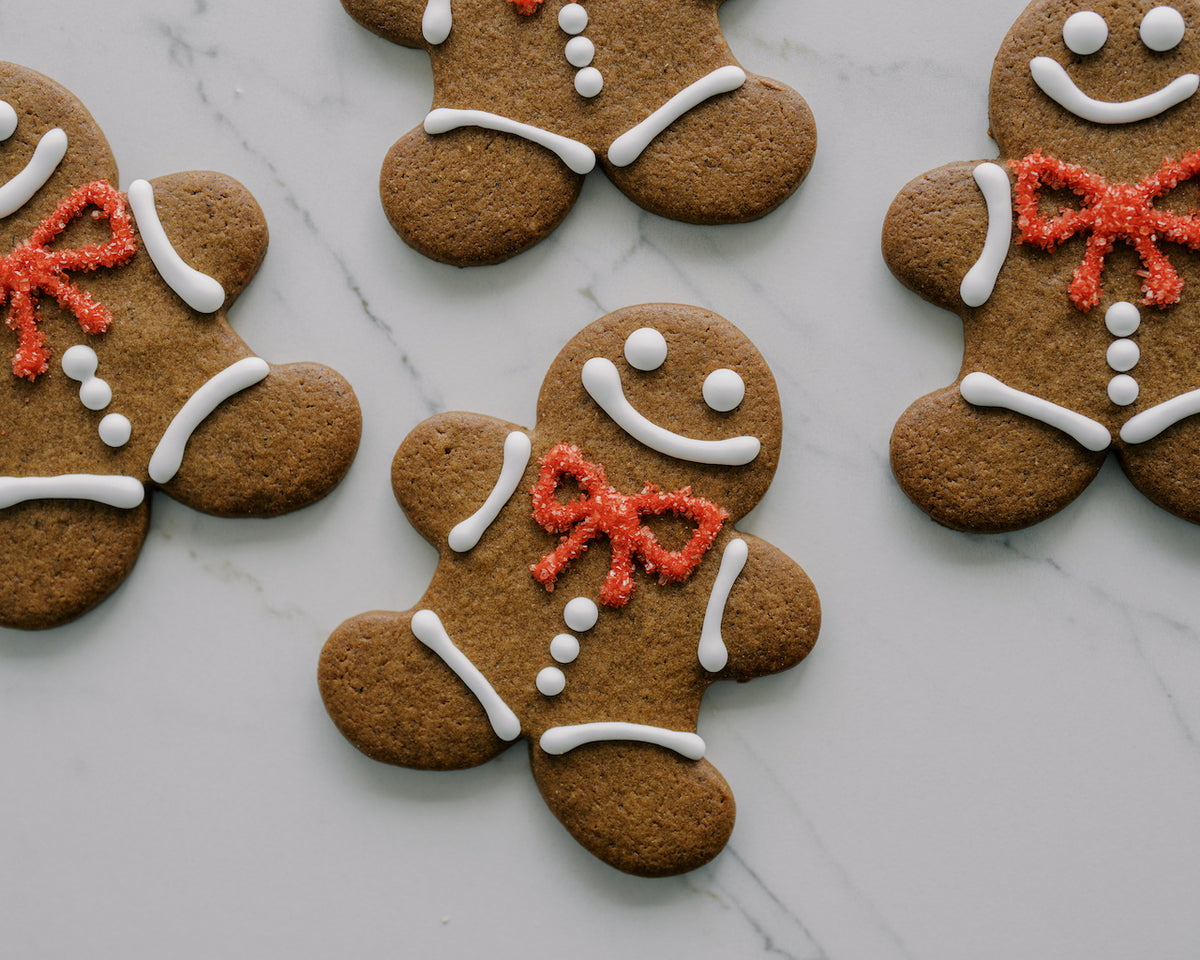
(591, 586)
(529, 96)
(1072, 261)
(125, 375)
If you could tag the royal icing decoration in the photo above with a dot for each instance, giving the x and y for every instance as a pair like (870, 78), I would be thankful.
(437, 21)
(1162, 29)
(80, 363)
(47, 155)
(466, 534)
(1054, 81)
(8, 120)
(31, 270)
(711, 651)
(602, 381)
(168, 455)
(116, 491)
(603, 510)
(560, 740)
(977, 286)
(427, 627)
(1109, 212)
(578, 156)
(984, 390)
(198, 290)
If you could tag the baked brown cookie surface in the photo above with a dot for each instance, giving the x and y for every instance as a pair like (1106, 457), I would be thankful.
(528, 94)
(125, 375)
(591, 586)
(1072, 262)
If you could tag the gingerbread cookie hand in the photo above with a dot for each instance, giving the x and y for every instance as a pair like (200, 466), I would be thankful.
(591, 586)
(125, 373)
(530, 95)
(1080, 312)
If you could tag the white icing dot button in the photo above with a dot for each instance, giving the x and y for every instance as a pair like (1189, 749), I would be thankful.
(581, 614)
(1122, 318)
(564, 648)
(723, 390)
(551, 682)
(115, 430)
(580, 51)
(572, 18)
(1122, 389)
(588, 82)
(645, 349)
(1123, 355)
(80, 363)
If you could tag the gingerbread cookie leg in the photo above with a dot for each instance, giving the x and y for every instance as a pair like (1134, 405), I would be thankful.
(640, 807)
(733, 156)
(472, 195)
(969, 467)
(1166, 468)
(417, 703)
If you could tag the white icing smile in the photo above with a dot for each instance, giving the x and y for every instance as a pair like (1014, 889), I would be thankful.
(602, 381)
(1052, 78)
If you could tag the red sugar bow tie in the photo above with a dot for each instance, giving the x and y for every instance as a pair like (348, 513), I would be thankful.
(603, 509)
(31, 270)
(1110, 212)
(526, 6)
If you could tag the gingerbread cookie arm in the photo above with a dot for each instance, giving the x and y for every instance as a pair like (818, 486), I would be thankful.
(763, 614)
(395, 20)
(947, 233)
(454, 473)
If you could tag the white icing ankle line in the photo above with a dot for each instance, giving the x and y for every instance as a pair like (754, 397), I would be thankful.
(47, 155)
(712, 652)
(629, 145)
(116, 491)
(1056, 83)
(977, 285)
(168, 455)
(560, 740)
(984, 390)
(602, 381)
(578, 156)
(427, 627)
(198, 290)
(1150, 423)
(466, 534)
(436, 21)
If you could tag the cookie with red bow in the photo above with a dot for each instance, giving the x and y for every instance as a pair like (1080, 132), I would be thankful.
(591, 586)
(124, 373)
(530, 95)
(1074, 262)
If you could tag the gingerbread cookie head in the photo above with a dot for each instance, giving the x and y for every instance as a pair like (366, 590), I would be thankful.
(529, 96)
(591, 586)
(1072, 261)
(124, 374)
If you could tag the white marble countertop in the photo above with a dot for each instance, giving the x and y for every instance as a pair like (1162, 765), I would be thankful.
(994, 751)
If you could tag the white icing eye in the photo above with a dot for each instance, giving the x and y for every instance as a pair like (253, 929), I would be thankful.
(1162, 29)
(645, 349)
(581, 614)
(8, 120)
(723, 390)
(1085, 32)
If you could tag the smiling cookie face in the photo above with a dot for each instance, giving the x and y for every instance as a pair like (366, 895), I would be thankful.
(1112, 83)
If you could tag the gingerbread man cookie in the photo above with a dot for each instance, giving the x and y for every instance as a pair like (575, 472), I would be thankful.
(125, 374)
(591, 587)
(1071, 261)
(528, 94)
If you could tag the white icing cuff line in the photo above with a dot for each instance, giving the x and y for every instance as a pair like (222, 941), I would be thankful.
(198, 290)
(578, 156)
(427, 627)
(465, 536)
(977, 286)
(116, 491)
(168, 455)
(47, 155)
(1150, 423)
(712, 652)
(984, 390)
(560, 740)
